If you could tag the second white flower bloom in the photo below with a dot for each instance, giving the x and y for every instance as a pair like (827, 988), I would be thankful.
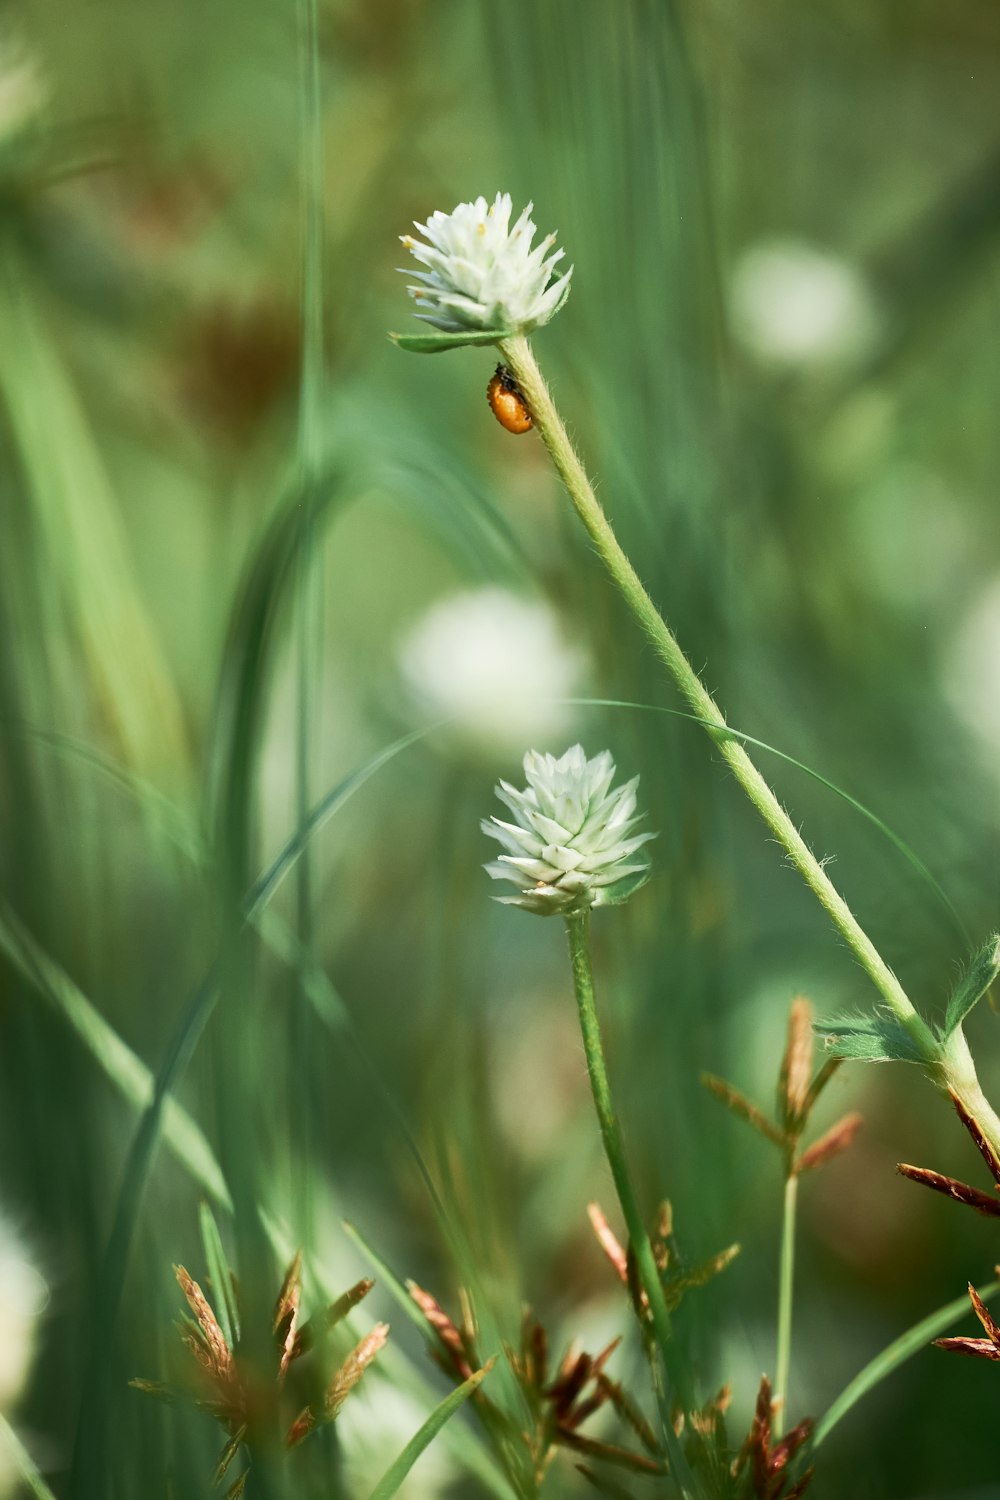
(572, 844)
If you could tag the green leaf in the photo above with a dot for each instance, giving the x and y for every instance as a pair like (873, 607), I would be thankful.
(398, 1470)
(896, 1354)
(437, 343)
(221, 1277)
(983, 969)
(127, 1072)
(868, 1039)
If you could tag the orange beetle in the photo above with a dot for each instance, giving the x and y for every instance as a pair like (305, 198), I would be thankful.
(506, 402)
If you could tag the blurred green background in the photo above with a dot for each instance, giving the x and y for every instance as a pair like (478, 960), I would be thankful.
(780, 360)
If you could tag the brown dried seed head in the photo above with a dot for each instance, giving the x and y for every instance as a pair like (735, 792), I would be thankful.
(978, 1348)
(447, 1333)
(221, 1359)
(330, 1316)
(796, 1065)
(627, 1409)
(830, 1144)
(608, 1241)
(740, 1105)
(982, 1144)
(354, 1367)
(961, 1192)
(983, 1314)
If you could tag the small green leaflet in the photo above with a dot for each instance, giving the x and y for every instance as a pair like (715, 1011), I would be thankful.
(983, 969)
(867, 1038)
(437, 343)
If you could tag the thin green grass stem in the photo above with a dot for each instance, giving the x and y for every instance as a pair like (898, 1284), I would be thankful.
(309, 465)
(578, 930)
(786, 1277)
(913, 1341)
(952, 1070)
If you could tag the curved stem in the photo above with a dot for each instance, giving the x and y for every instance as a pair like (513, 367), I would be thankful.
(578, 930)
(517, 353)
(786, 1276)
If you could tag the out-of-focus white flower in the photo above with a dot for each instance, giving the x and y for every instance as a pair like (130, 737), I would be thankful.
(495, 664)
(481, 273)
(793, 304)
(23, 1295)
(22, 88)
(572, 845)
(972, 668)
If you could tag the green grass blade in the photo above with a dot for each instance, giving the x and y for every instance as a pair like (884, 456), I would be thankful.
(398, 1470)
(196, 1015)
(896, 1354)
(125, 1070)
(392, 1282)
(221, 1276)
(911, 857)
(82, 534)
(22, 1462)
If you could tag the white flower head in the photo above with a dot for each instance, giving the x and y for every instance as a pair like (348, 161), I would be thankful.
(482, 274)
(496, 666)
(571, 845)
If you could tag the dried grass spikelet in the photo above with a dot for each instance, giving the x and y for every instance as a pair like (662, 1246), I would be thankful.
(987, 1348)
(764, 1461)
(797, 1093)
(248, 1404)
(560, 1402)
(677, 1277)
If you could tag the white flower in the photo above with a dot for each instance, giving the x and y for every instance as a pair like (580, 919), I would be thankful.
(22, 88)
(572, 846)
(793, 304)
(483, 274)
(495, 665)
(22, 1296)
(972, 668)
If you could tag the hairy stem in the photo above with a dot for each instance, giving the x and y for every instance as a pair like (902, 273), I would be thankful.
(950, 1073)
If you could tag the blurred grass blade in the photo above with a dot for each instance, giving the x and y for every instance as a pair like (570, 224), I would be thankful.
(397, 1471)
(17, 1457)
(912, 858)
(220, 1274)
(391, 1280)
(127, 1072)
(916, 1338)
(91, 1435)
(82, 535)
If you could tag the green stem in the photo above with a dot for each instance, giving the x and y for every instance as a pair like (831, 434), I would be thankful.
(578, 930)
(786, 1276)
(309, 463)
(18, 1458)
(961, 1079)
